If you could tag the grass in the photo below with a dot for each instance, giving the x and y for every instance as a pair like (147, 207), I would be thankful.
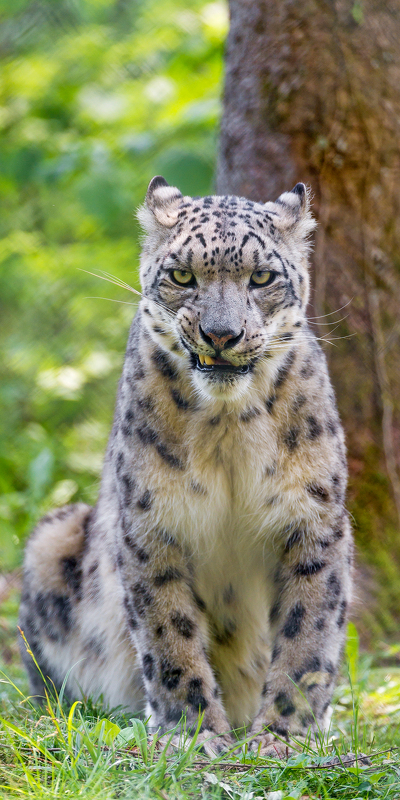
(84, 752)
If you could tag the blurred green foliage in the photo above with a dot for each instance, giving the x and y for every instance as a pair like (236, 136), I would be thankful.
(97, 96)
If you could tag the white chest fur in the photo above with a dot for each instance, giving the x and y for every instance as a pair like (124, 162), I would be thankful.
(230, 526)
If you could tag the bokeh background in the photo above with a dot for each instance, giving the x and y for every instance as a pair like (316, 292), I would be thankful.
(97, 96)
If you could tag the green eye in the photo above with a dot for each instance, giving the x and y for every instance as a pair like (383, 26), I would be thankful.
(261, 278)
(183, 277)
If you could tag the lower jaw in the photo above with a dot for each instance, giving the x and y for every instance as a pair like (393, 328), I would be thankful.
(226, 376)
(229, 387)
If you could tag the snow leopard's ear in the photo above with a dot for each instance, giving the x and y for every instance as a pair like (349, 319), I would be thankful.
(291, 213)
(160, 207)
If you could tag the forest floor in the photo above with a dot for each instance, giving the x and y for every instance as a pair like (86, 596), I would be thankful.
(83, 752)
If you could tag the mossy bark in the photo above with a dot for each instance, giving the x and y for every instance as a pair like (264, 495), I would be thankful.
(312, 93)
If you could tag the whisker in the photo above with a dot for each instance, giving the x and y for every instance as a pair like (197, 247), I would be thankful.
(120, 282)
(106, 276)
(333, 312)
(315, 338)
(270, 349)
(329, 323)
(339, 338)
(280, 339)
(115, 281)
(277, 343)
(111, 300)
(131, 289)
(333, 330)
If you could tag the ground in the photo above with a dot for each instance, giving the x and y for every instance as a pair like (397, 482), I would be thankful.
(86, 753)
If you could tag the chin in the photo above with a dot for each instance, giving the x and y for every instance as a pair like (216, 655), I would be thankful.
(227, 387)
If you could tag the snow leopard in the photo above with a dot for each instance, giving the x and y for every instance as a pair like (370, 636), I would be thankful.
(213, 575)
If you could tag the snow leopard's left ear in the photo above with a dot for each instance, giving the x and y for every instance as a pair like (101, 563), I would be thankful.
(291, 213)
(160, 208)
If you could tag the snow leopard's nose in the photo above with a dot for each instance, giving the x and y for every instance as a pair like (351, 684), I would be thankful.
(221, 340)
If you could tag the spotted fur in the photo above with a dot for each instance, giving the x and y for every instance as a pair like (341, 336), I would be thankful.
(213, 574)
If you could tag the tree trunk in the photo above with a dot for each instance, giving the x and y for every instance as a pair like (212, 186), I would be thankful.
(312, 94)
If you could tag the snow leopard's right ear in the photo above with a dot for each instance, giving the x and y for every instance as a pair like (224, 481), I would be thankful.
(160, 207)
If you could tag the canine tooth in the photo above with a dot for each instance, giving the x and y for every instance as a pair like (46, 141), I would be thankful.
(208, 360)
(201, 359)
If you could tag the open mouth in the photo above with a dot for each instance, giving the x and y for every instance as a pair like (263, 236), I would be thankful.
(217, 365)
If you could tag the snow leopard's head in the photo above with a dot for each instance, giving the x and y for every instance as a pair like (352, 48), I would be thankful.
(225, 280)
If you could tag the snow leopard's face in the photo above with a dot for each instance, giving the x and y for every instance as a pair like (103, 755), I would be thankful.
(226, 280)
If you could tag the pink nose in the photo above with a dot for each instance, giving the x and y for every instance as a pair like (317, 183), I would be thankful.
(222, 340)
(219, 341)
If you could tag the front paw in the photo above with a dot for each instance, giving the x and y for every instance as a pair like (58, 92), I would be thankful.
(268, 746)
(213, 744)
